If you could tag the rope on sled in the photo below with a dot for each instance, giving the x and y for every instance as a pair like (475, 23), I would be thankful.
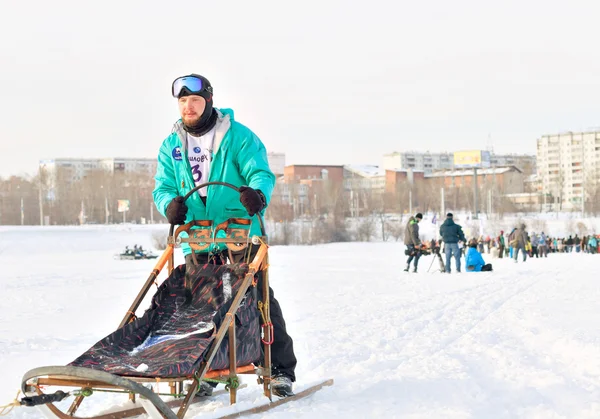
(39, 400)
(7, 408)
(44, 398)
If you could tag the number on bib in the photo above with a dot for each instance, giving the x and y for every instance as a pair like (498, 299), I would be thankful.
(196, 173)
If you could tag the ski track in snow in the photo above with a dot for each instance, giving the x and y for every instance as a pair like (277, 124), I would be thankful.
(519, 342)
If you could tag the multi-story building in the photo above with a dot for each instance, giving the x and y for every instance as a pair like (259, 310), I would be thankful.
(377, 179)
(426, 162)
(298, 172)
(506, 180)
(276, 162)
(396, 178)
(430, 162)
(74, 169)
(569, 167)
(301, 183)
(129, 165)
(364, 177)
(532, 184)
(293, 194)
(525, 162)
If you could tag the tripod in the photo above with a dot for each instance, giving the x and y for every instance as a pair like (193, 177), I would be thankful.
(436, 254)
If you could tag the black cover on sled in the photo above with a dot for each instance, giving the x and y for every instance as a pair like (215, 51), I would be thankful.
(174, 334)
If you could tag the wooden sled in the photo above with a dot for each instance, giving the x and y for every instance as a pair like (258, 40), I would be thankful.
(146, 390)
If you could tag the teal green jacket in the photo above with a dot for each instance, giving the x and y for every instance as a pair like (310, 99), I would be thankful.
(238, 157)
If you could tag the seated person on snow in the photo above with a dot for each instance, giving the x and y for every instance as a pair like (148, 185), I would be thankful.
(474, 260)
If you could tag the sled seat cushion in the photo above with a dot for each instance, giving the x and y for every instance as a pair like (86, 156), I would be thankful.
(173, 336)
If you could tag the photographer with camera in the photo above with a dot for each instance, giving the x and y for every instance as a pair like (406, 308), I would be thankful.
(412, 241)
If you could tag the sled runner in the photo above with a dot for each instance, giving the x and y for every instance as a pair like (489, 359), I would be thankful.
(179, 341)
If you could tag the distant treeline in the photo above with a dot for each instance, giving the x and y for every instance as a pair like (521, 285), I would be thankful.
(58, 199)
(61, 198)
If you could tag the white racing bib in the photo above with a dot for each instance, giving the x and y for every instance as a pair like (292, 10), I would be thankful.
(200, 155)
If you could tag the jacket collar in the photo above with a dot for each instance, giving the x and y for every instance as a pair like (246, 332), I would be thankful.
(222, 126)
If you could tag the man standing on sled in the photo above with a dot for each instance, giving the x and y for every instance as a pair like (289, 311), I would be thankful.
(208, 145)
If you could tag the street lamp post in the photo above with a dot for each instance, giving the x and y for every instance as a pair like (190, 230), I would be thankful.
(106, 213)
(21, 208)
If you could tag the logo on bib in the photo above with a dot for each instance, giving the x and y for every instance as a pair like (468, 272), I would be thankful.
(176, 153)
(197, 150)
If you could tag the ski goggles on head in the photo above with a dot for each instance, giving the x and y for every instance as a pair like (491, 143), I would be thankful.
(191, 85)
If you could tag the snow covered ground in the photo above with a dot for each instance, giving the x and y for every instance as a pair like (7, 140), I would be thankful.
(520, 342)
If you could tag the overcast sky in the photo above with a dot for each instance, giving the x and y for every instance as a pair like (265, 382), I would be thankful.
(326, 82)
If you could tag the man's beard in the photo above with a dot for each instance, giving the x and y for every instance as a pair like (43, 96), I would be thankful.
(201, 125)
(191, 121)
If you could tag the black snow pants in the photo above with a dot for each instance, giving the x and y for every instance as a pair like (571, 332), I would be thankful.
(413, 253)
(283, 359)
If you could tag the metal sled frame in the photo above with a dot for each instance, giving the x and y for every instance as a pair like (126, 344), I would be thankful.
(87, 380)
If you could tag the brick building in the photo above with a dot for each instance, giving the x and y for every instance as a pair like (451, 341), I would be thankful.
(298, 172)
(506, 180)
(396, 177)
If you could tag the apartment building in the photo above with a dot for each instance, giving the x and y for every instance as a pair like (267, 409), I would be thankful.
(364, 177)
(569, 167)
(302, 181)
(430, 162)
(298, 172)
(129, 165)
(525, 162)
(419, 161)
(506, 180)
(399, 178)
(276, 162)
(75, 169)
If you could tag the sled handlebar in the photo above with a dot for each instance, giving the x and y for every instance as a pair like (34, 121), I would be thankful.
(228, 185)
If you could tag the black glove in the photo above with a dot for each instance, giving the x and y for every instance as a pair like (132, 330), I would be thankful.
(252, 199)
(176, 211)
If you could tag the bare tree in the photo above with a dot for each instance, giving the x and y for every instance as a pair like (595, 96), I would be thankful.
(396, 201)
(428, 197)
(65, 197)
(582, 228)
(569, 226)
(19, 201)
(364, 229)
(538, 225)
(505, 205)
(593, 199)
(396, 230)
(374, 209)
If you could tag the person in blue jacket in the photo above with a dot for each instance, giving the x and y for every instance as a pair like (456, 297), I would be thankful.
(207, 145)
(592, 244)
(474, 260)
(452, 235)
